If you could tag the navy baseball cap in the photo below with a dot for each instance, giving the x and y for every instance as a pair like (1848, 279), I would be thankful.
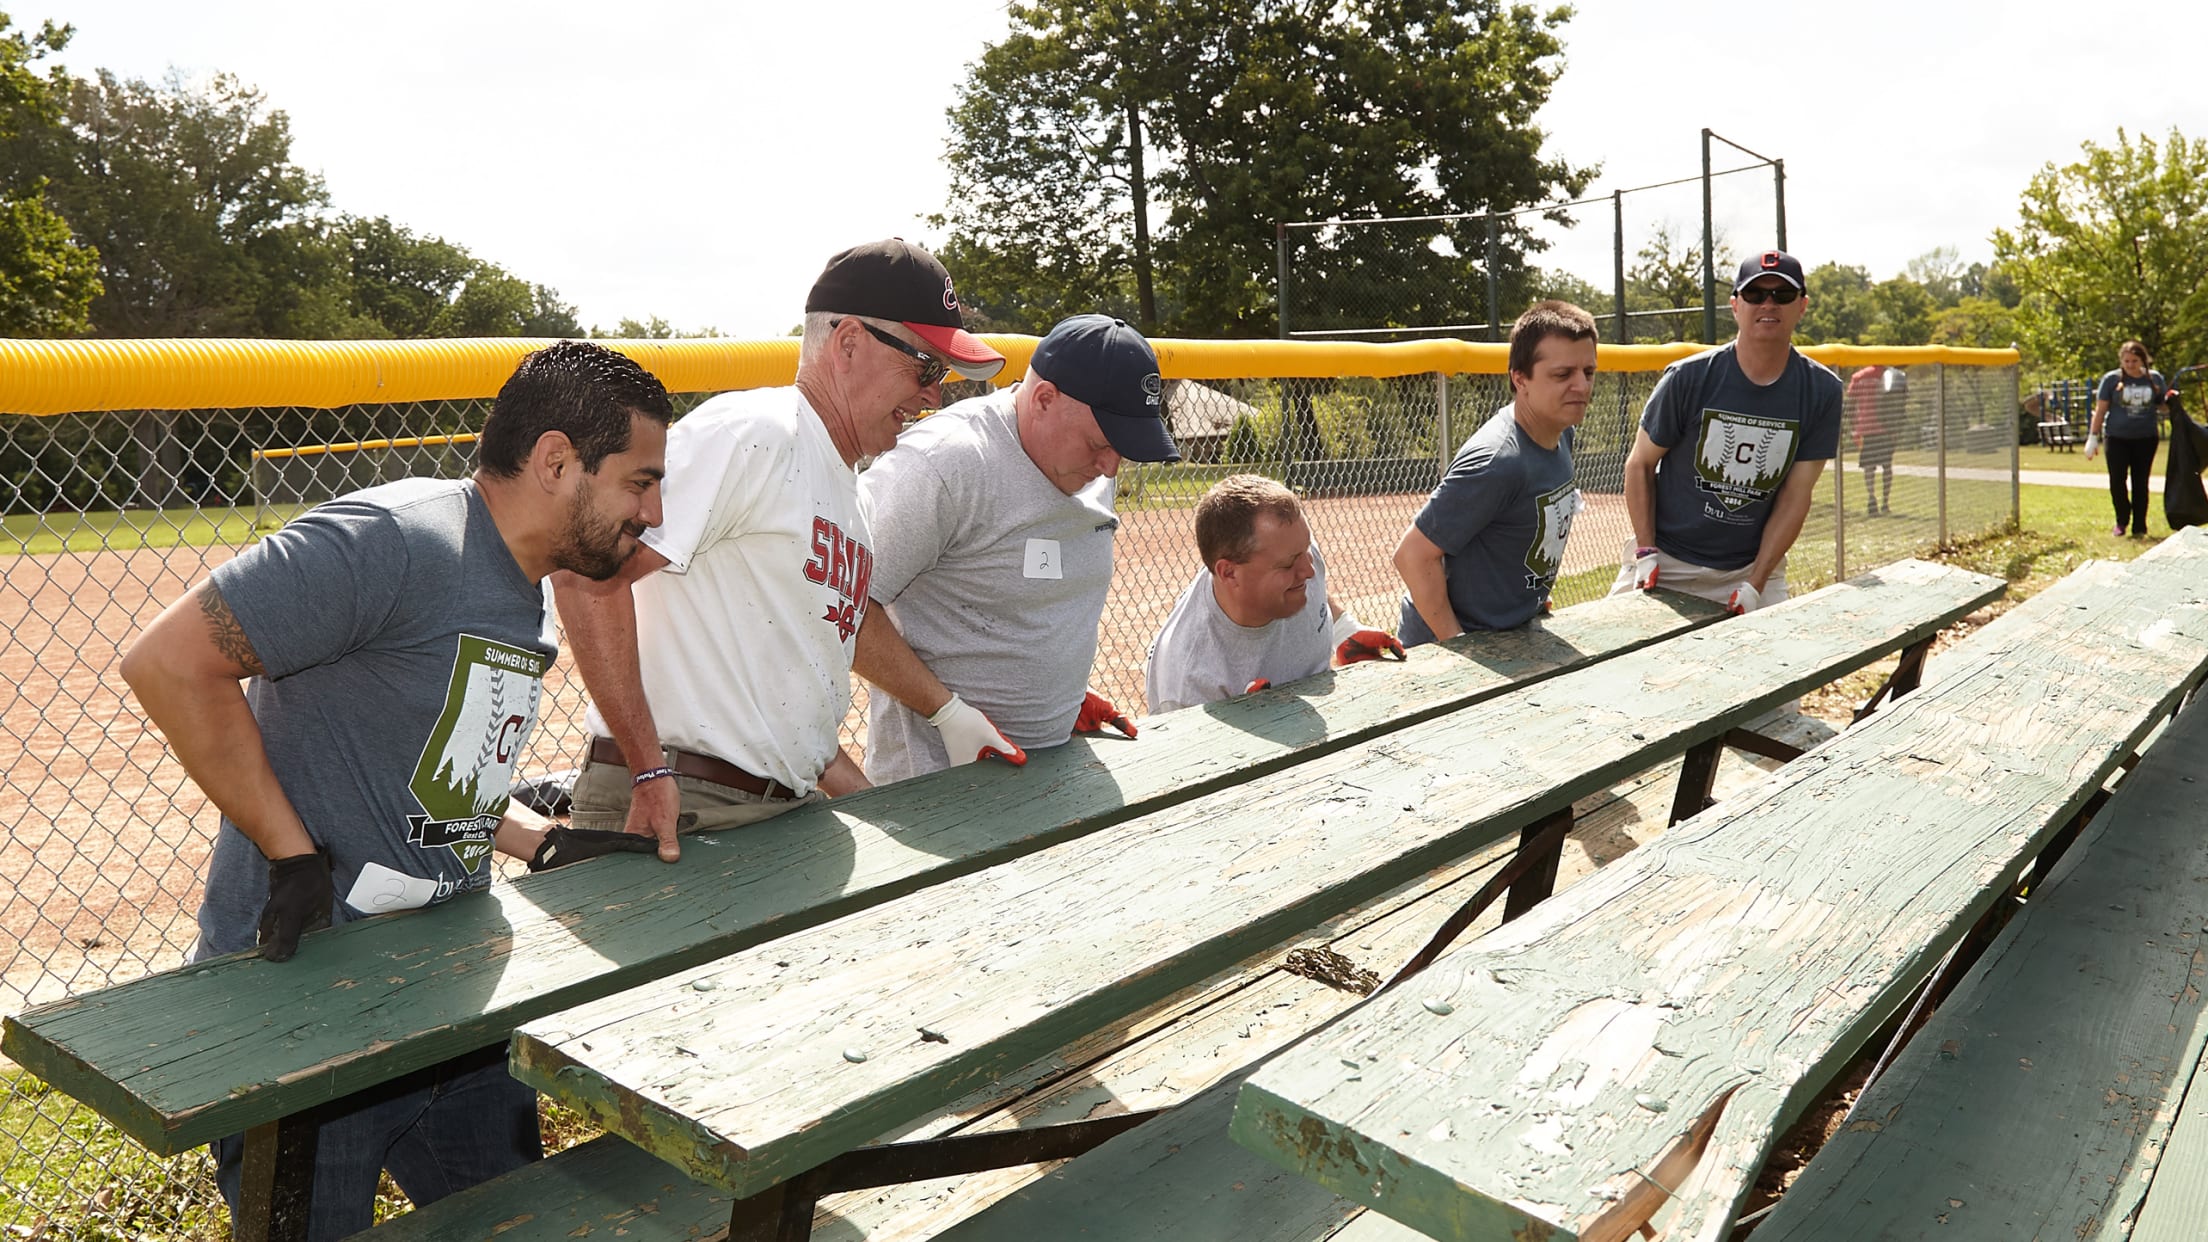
(1107, 366)
(1770, 263)
(895, 280)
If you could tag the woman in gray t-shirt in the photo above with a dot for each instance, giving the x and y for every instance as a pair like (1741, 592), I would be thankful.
(2123, 424)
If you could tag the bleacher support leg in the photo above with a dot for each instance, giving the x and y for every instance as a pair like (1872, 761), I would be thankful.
(1697, 774)
(1541, 844)
(276, 1179)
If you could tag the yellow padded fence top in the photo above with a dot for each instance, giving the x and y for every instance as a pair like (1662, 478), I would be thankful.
(60, 377)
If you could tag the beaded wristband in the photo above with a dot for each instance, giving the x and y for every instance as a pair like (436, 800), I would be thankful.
(649, 774)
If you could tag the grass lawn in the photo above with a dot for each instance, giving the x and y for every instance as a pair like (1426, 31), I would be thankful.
(32, 534)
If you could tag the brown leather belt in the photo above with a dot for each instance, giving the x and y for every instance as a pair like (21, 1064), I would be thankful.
(704, 767)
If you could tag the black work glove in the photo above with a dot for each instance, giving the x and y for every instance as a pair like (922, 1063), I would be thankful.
(565, 845)
(299, 901)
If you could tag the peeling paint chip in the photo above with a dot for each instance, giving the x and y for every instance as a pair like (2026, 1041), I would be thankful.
(505, 1225)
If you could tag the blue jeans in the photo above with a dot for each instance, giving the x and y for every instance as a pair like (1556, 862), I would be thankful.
(438, 1130)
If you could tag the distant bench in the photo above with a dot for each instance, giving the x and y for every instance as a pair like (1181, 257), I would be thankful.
(767, 1076)
(238, 1044)
(1623, 1059)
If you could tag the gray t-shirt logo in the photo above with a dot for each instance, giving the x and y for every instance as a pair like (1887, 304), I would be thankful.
(1741, 458)
(1553, 511)
(467, 764)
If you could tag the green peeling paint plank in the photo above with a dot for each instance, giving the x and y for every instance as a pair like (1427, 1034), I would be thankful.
(2040, 1098)
(604, 1189)
(1173, 1179)
(189, 1055)
(737, 1072)
(2176, 1209)
(1657, 1026)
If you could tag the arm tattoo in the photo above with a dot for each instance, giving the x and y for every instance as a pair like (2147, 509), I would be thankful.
(229, 636)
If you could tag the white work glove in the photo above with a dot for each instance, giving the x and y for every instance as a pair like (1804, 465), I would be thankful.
(1645, 568)
(2092, 447)
(1745, 599)
(968, 736)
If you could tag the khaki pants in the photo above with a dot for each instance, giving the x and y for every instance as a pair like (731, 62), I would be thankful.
(601, 799)
(1715, 585)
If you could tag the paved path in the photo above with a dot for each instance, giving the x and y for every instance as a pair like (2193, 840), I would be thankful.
(2047, 478)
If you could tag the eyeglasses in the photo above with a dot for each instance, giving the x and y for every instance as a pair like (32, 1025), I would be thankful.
(932, 368)
(1757, 295)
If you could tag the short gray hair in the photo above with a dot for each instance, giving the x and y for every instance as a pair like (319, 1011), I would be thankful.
(814, 344)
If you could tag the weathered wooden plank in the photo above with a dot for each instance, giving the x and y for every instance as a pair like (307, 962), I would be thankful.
(186, 1056)
(1186, 1164)
(604, 1188)
(2176, 1209)
(1638, 1043)
(2038, 1101)
(736, 1072)
(1212, 1189)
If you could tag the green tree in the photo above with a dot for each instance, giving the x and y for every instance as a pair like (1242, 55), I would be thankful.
(48, 278)
(658, 329)
(1941, 273)
(1667, 275)
(1976, 322)
(2112, 247)
(1841, 309)
(1226, 118)
(1903, 313)
(190, 197)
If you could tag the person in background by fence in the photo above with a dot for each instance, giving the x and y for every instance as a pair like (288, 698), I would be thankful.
(396, 641)
(2123, 423)
(1877, 399)
(1758, 422)
(993, 529)
(1484, 552)
(718, 686)
(1258, 613)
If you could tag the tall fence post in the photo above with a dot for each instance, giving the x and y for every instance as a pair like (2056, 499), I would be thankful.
(1617, 261)
(1709, 260)
(2016, 453)
(1939, 410)
(1840, 510)
(1778, 191)
(1444, 443)
(1280, 248)
(1494, 282)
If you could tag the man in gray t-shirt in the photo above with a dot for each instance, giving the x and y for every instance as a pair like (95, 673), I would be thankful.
(396, 640)
(1485, 551)
(1258, 614)
(1758, 422)
(993, 524)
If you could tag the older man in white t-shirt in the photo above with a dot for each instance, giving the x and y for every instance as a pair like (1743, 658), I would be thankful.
(719, 660)
(1258, 614)
(993, 528)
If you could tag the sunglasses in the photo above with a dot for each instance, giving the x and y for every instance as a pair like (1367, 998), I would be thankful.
(932, 368)
(1757, 295)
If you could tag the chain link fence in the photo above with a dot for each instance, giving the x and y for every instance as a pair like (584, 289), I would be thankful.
(111, 515)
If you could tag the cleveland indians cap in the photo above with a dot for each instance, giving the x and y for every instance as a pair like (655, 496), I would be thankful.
(1107, 366)
(896, 280)
(1770, 263)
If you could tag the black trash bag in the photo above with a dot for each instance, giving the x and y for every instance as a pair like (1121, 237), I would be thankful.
(2184, 500)
(550, 794)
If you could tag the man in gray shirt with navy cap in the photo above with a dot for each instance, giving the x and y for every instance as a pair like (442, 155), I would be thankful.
(993, 526)
(1730, 448)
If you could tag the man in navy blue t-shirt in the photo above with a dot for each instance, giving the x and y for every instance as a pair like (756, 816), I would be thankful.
(1758, 422)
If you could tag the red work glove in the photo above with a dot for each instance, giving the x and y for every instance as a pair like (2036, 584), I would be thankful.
(1259, 684)
(1645, 568)
(1096, 712)
(1354, 644)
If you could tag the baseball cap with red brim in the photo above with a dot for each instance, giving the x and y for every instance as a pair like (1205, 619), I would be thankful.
(896, 280)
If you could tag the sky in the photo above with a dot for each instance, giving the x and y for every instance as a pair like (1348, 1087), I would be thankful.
(700, 161)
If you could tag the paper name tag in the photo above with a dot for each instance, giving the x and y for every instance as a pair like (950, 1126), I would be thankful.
(1042, 559)
(380, 890)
